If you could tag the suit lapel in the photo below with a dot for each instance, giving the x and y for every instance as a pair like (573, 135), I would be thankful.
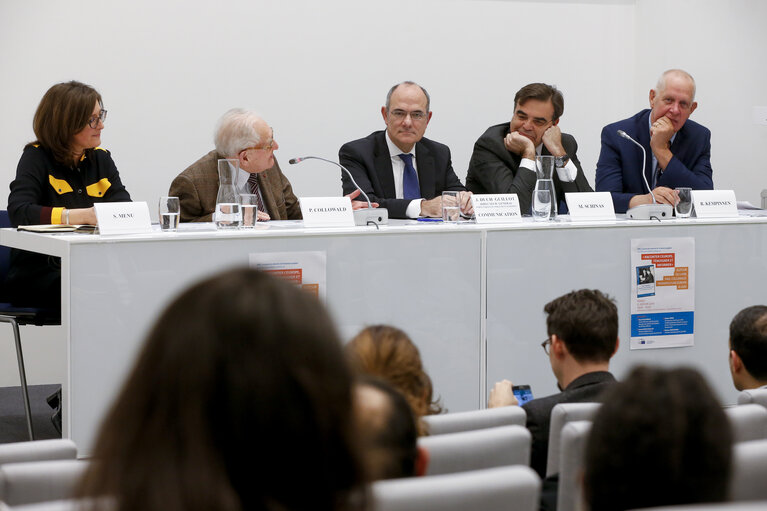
(383, 166)
(266, 193)
(426, 172)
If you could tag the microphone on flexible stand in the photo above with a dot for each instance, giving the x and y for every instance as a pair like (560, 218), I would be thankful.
(646, 211)
(367, 216)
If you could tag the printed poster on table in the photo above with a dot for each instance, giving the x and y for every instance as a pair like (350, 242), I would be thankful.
(307, 270)
(662, 292)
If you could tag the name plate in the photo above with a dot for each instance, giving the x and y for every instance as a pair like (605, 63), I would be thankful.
(590, 206)
(123, 217)
(496, 208)
(327, 211)
(714, 203)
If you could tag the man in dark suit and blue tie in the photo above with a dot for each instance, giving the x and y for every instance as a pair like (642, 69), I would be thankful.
(399, 168)
(678, 150)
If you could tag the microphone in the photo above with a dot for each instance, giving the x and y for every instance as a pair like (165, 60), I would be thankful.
(377, 216)
(646, 211)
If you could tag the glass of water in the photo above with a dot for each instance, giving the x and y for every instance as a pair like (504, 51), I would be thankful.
(249, 206)
(683, 208)
(451, 207)
(169, 213)
(541, 205)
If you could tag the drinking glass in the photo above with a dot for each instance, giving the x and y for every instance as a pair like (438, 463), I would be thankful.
(683, 208)
(249, 206)
(451, 207)
(169, 213)
(541, 205)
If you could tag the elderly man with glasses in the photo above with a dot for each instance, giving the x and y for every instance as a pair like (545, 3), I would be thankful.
(582, 338)
(242, 135)
(399, 168)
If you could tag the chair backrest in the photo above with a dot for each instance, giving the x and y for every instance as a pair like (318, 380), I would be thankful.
(39, 481)
(749, 422)
(475, 450)
(39, 450)
(753, 396)
(5, 252)
(475, 419)
(561, 414)
(749, 471)
(504, 488)
(573, 444)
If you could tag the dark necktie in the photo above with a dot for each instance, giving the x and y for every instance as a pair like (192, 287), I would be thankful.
(656, 176)
(253, 182)
(410, 189)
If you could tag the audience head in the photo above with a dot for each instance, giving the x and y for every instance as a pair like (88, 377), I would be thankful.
(388, 353)
(406, 114)
(537, 107)
(387, 429)
(748, 348)
(673, 97)
(69, 120)
(240, 391)
(660, 438)
(242, 134)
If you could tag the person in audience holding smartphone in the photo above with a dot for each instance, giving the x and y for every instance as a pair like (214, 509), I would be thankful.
(582, 338)
(661, 438)
(748, 348)
(58, 179)
(678, 150)
(241, 398)
(503, 160)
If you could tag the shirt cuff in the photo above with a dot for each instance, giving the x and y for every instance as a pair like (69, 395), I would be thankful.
(528, 164)
(56, 214)
(568, 172)
(413, 209)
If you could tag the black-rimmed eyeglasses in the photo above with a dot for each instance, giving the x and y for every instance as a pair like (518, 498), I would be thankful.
(546, 345)
(93, 122)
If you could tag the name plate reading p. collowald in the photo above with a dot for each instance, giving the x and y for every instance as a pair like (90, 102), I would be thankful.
(714, 203)
(327, 211)
(590, 206)
(496, 208)
(123, 217)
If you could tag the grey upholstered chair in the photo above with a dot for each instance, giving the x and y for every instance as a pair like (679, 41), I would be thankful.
(749, 471)
(475, 419)
(39, 481)
(749, 422)
(475, 450)
(39, 450)
(755, 396)
(572, 447)
(561, 414)
(503, 488)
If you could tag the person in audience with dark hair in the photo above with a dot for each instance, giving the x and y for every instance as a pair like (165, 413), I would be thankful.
(241, 398)
(748, 348)
(388, 353)
(661, 438)
(58, 179)
(387, 430)
(582, 337)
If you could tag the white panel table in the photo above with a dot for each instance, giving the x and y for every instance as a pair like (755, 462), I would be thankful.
(425, 279)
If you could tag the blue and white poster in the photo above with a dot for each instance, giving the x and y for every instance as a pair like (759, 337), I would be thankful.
(662, 293)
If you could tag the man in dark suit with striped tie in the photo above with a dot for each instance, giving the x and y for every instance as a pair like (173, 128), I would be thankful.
(399, 168)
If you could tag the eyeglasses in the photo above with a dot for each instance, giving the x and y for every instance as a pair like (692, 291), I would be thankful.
(546, 345)
(399, 115)
(93, 122)
(267, 147)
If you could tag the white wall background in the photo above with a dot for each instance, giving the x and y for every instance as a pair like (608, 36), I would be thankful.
(319, 72)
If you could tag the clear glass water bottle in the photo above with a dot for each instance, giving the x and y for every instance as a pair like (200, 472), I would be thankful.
(228, 214)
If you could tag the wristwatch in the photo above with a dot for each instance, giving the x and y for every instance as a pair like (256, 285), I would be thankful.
(561, 161)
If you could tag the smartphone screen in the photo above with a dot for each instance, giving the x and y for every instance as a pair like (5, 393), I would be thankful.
(522, 393)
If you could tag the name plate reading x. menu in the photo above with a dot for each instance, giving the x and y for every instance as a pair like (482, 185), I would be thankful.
(123, 217)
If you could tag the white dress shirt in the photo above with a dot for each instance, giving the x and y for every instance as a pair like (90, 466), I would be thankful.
(398, 170)
(566, 174)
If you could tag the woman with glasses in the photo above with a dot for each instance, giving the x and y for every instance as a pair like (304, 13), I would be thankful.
(58, 179)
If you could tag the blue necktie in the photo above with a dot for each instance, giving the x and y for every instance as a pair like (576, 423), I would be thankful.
(410, 189)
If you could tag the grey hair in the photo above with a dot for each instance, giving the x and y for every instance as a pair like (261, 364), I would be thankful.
(661, 85)
(236, 131)
(407, 82)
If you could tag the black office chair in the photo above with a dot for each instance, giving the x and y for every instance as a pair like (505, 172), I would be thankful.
(17, 316)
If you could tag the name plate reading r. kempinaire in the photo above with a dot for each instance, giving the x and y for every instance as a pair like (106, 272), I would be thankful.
(123, 217)
(590, 206)
(496, 208)
(714, 203)
(327, 211)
